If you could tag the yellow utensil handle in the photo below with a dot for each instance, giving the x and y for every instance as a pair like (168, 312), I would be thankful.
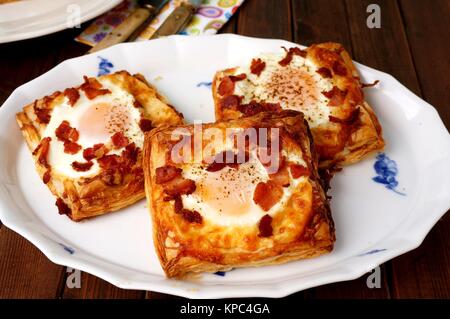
(124, 30)
(176, 21)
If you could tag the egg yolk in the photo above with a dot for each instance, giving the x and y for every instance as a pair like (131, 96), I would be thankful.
(228, 191)
(102, 120)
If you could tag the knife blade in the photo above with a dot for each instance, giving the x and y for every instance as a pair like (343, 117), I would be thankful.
(178, 19)
(146, 11)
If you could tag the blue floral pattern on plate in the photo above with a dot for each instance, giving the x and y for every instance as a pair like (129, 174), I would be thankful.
(70, 250)
(371, 252)
(204, 84)
(386, 170)
(104, 66)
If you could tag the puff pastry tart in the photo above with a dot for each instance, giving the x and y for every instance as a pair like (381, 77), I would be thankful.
(322, 82)
(235, 193)
(86, 141)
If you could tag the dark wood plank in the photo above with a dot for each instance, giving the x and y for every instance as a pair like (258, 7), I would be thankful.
(425, 271)
(95, 288)
(323, 21)
(320, 21)
(266, 19)
(25, 271)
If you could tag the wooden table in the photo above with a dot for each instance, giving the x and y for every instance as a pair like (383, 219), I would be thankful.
(413, 44)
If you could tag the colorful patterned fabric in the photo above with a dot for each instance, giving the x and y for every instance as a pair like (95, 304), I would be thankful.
(210, 17)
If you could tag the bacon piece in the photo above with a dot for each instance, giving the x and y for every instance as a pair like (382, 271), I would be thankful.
(43, 146)
(265, 226)
(230, 101)
(64, 132)
(63, 209)
(298, 170)
(46, 177)
(92, 88)
(97, 151)
(239, 77)
(349, 120)
(119, 140)
(73, 95)
(110, 161)
(227, 158)
(178, 204)
(257, 66)
(336, 96)
(324, 72)
(145, 124)
(368, 85)
(82, 167)
(43, 115)
(290, 54)
(71, 147)
(192, 216)
(281, 177)
(131, 153)
(251, 108)
(179, 186)
(167, 173)
(137, 104)
(339, 68)
(226, 86)
(267, 194)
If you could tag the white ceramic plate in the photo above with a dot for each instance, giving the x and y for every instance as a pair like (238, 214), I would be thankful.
(374, 221)
(27, 19)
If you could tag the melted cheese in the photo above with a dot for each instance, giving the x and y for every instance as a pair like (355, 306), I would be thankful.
(297, 86)
(96, 121)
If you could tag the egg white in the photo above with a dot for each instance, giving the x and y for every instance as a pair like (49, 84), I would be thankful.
(255, 87)
(60, 161)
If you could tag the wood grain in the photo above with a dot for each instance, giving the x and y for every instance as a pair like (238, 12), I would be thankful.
(266, 19)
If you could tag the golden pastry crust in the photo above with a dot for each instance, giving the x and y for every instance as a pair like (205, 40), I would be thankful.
(352, 130)
(191, 241)
(86, 197)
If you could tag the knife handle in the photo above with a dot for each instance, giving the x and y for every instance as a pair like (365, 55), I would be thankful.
(176, 21)
(125, 29)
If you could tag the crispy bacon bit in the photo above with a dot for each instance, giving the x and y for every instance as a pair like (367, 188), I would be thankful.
(43, 115)
(226, 86)
(239, 77)
(73, 95)
(227, 158)
(167, 173)
(119, 140)
(178, 205)
(339, 68)
(289, 55)
(192, 216)
(82, 167)
(137, 104)
(97, 151)
(92, 88)
(254, 107)
(47, 176)
(336, 96)
(257, 66)
(131, 153)
(179, 186)
(368, 85)
(71, 147)
(65, 132)
(265, 226)
(145, 125)
(298, 170)
(63, 209)
(281, 177)
(230, 101)
(43, 146)
(349, 120)
(324, 72)
(267, 194)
